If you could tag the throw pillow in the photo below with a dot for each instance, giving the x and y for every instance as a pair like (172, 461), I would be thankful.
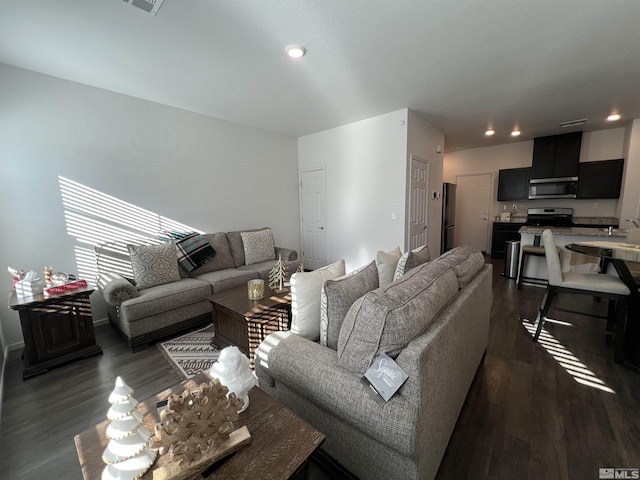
(305, 298)
(258, 246)
(193, 249)
(412, 259)
(154, 264)
(387, 319)
(337, 297)
(386, 263)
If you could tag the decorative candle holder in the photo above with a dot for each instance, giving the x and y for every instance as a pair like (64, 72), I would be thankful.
(255, 289)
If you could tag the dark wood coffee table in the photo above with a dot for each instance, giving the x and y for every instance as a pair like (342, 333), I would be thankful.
(245, 323)
(281, 442)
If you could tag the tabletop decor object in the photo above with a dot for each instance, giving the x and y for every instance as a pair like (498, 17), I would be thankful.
(255, 289)
(278, 275)
(127, 455)
(233, 369)
(196, 430)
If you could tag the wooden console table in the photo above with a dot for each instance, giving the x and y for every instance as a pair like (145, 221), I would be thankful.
(245, 323)
(56, 328)
(281, 442)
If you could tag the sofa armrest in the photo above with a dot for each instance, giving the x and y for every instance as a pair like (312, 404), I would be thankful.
(286, 253)
(116, 289)
(313, 372)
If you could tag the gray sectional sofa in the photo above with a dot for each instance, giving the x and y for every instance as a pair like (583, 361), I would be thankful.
(434, 321)
(147, 315)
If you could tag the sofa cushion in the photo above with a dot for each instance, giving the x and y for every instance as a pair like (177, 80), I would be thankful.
(193, 249)
(237, 247)
(387, 319)
(264, 268)
(258, 246)
(305, 298)
(225, 279)
(154, 264)
(161, 298)
(465, 261)
(222, 259)
(337, 297)
(386, 263)
(412, 259)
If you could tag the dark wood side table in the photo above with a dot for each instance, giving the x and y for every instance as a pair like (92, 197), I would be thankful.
(56, 328)
(281, 442)
(245, 323)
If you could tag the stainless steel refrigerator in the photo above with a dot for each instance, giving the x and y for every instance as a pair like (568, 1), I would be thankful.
(448, 216)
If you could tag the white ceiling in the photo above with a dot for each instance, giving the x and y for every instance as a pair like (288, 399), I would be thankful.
(463, 65)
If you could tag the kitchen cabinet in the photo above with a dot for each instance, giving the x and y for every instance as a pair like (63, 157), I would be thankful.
(601, 179)
(513, 184)
(556, 156)
(502, 232)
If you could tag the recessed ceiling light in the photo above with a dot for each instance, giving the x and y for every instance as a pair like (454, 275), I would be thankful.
(613, 117)
(489, 132)
(295, 51)
(515, 133)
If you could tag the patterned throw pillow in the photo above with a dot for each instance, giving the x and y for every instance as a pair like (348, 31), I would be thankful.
(258, 246)
(193, 249)
(154, 264)
(411, 259)
(337, 297)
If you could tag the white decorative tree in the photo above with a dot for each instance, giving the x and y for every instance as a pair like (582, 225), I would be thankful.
(128, 455)
(278, 275)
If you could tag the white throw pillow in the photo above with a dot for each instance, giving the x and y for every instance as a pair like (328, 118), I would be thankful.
(386, 263)
(306, 288)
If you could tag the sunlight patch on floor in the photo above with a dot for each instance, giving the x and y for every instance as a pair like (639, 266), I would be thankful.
(572, 364)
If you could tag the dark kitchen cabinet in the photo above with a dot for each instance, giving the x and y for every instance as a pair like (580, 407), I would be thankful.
(513, 184)
(502, 232)
(600, 179)
(556, 156)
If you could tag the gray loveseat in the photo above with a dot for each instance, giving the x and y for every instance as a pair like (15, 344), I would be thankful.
(145, 316)
(434, 321)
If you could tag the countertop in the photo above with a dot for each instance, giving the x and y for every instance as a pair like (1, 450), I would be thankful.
(577, 231)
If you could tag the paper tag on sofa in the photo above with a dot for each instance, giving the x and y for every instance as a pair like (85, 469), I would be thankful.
(385, 376)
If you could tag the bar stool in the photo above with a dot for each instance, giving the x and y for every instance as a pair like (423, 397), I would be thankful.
(535, 251)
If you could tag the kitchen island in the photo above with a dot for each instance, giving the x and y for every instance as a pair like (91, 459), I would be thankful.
(536, 267)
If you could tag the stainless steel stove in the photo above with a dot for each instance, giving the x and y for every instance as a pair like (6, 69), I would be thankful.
(549, 217)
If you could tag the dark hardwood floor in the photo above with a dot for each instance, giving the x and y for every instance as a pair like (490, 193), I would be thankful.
(526, 416)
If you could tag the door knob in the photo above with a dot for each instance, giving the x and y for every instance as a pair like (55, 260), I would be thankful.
(321, 228)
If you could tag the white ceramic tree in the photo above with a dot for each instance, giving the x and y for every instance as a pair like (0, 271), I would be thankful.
(127, 455)
(278, 275)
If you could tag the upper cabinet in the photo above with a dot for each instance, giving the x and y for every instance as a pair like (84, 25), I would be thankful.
(556, 156)
(513, 184)
(600, 179)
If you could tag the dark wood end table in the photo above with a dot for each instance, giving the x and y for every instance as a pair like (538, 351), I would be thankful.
(281, 442)
(57, 329)
(245, 323)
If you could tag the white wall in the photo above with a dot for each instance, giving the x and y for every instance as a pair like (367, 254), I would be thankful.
(422, 141)
(366, 166)
(208, 173)
(629, 205)
(599, 145)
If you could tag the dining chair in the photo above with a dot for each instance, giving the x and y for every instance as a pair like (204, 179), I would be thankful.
(633, 236)
(602, 285)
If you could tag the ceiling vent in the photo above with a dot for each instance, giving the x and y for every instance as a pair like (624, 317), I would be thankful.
(149, 6)
(574, 123)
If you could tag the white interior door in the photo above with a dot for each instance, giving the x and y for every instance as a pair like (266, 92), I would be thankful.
(473, 200)
(313, 205)
(418, 203)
